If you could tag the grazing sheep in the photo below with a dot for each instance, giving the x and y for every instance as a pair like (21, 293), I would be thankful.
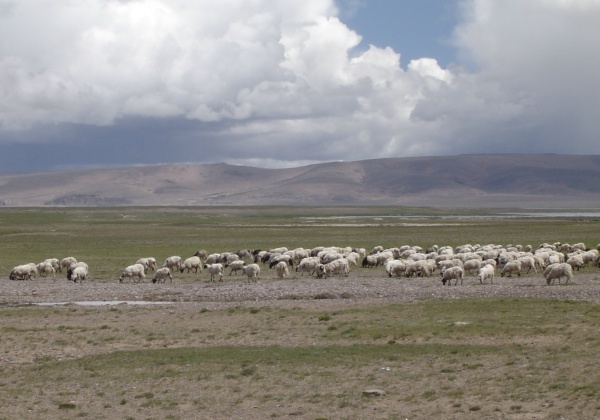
(376, 250)
(173, 263)
(212, 259)
(528, 262)
(132, 272)
(417, 269)
(77, 273)
(73, 275)
(23, 272)
(149, 263)
(486, 272)
(576, 261)
(580, 246)
(445, 264)
(589, 256)
(557, 271)
(353, 258)
(200, 254)
(231, 258)
(555, 258)
(282, 269)
(252, 271)
(44, 268)
(395, 268)
(279, 250)
(66, 262)
(276, 259)
(223, 257)
(327, 257)
(192, 263)
(369, 261)
(235, 266)
(54, 262)
(510, 268)
(244, 253)
(339, 266)
(471, 264)
(450, 273)
(161, 275)
(308, 264)
(215, 269)
(382, 257)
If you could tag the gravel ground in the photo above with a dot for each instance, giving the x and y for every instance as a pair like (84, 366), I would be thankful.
(360, 287)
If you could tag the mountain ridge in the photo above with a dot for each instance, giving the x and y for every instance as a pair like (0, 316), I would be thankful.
(545, 180)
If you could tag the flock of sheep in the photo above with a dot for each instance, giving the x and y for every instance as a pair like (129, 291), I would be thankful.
(556, 261)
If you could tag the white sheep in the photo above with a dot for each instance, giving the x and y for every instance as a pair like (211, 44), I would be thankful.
(510, 268)
(161, 275)
(491, 262)
(395, 268)
(557, 271)
(191, 263)
(45, 268)
(528, 262)
(308, 264)
(382, 257)
(353, 258)
(81, 273)
(445, 264)
(252, 271)
(77, 273)
(339, 266)
(173, 262)
(471, 264)
(279, 250)
(212, 259)
(215, 269)
(66, 262)
(486, 272)
(149, 263)
(23, 272)
(576, 261)
(369, 261)
(451, 273)
(282, 269)
(54, 262)
(276, 259)
(590, 256)
(235, 266)
(418, 268)
(132, 272)
(201, 254)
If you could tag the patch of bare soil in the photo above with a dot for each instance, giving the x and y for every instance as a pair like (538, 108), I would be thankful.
(193, 312)
(361, 286)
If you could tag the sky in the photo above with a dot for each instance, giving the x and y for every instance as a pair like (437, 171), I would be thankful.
(284, 83)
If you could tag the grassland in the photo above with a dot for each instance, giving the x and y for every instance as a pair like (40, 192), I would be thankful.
(110, 238)
(509, 358)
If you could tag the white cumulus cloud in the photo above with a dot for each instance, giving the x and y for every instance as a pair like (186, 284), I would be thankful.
(282, 81)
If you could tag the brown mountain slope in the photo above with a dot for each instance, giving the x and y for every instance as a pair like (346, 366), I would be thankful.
(562, 181)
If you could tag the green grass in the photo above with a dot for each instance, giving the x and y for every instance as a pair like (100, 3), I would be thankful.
(110, 238)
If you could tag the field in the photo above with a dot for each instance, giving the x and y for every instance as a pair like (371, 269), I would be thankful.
(364, 346)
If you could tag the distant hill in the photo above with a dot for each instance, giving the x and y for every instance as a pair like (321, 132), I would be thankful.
(528, 181)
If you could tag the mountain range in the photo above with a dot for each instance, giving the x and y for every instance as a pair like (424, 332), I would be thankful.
(525, 181)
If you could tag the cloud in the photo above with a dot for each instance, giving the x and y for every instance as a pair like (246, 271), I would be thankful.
(281, 82)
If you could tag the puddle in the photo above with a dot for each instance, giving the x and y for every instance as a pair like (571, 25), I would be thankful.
(104, 303)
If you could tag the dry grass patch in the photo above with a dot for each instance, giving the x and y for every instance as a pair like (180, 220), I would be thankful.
(469, 358)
